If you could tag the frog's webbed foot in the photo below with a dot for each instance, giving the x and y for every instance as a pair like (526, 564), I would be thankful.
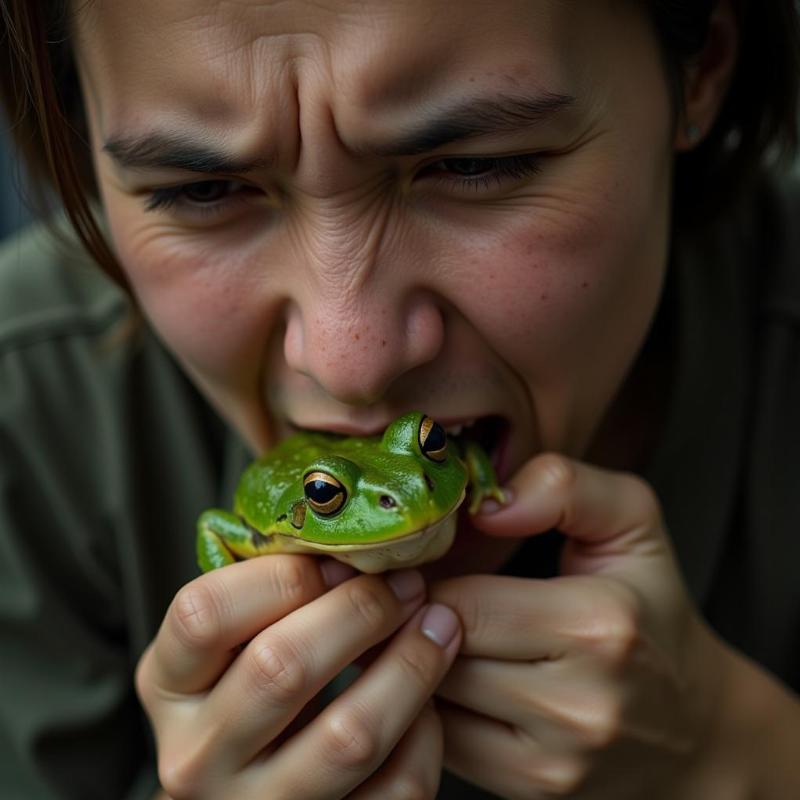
(221, 536)
(482, 479)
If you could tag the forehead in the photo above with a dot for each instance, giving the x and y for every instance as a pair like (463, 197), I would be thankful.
(231, 59)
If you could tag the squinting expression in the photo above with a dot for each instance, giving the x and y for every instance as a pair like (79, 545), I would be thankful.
(334, 212)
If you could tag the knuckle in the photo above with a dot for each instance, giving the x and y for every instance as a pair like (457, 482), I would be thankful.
(291, 577)
(557, 472)
(367, 604)
(411, 787)
(417, 666)
(472, 613)
(564, 778)
(643, 499)
(602, 728)
(614, 631)
(349, 741)
(196, 615)
(276, 669)
(620, 635)
(181, 778)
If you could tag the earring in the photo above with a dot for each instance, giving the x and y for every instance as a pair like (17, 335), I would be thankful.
(692, 133)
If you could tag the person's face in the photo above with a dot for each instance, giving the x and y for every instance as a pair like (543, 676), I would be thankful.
(335, 212)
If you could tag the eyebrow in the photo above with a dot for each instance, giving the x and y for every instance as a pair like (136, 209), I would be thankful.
(472, 118)
(163, 149)
(466, 120)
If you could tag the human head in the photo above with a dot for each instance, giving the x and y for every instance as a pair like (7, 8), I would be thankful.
(529, 302)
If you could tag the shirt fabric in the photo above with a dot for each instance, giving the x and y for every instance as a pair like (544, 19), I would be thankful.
(108, 453)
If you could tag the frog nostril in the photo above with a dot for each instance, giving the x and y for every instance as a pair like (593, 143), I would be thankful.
(429, 482)
(387, 502)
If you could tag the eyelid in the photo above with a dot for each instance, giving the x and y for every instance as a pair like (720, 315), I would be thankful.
(166, 197)
(505, 167)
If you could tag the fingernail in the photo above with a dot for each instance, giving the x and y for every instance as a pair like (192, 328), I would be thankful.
(491, 506)
(406, 584)
(335, 572)
(440, 624)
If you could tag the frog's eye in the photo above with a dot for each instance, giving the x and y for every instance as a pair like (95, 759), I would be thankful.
(432, 440)
(324, 493)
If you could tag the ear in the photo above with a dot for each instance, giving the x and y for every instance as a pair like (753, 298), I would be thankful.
(706, 80)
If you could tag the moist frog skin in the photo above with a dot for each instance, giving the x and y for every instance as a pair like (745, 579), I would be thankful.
(377, 503)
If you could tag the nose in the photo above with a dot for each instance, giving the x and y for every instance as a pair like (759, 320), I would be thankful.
(354, 348)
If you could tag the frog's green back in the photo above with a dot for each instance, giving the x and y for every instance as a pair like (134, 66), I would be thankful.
(266, 480)
(392, 488)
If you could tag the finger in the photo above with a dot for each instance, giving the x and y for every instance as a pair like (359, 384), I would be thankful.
(285, 665)
(587, 503)
(577, 704)
(500, 759)
(356, 733)
(563, 705)
(527, 619)
(612, 520)
(216, 613)
(414, 768)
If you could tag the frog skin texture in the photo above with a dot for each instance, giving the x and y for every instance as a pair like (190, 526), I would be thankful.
(377, 503)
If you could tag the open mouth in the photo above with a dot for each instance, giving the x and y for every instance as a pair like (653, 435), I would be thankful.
(492, 434)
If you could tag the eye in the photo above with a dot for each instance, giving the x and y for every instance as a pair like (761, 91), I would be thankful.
(199, 196)
(469, 167)
(325, 494)
(432, 440)
(484, 172)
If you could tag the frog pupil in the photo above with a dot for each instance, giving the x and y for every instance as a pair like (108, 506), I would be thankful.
(324, 493)
(321, 491)
(432, 439)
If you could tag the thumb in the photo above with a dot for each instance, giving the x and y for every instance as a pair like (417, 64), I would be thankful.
(605, 515)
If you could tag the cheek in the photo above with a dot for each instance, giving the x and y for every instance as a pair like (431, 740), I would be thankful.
(569, 291)
(204, 298)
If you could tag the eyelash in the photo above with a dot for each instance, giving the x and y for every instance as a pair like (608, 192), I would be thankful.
(499, 168)
(505, 168)
(167, 197)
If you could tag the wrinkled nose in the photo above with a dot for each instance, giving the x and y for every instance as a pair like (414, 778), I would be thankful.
(355, 348)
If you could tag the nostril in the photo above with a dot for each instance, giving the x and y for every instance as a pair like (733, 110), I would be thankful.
(429, 482)
(387, 502)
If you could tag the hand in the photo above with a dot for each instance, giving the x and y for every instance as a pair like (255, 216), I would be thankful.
(244, 649)
(602, 683)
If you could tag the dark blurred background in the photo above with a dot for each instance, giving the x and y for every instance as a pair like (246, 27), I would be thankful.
(13, 211)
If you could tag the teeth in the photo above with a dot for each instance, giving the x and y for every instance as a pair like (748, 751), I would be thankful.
(457, 430)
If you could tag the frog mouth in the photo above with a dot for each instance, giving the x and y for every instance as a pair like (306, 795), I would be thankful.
(411, 550)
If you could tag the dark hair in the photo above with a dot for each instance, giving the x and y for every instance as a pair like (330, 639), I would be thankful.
(758, 122)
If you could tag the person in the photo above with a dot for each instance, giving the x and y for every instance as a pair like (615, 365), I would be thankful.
(563, 224)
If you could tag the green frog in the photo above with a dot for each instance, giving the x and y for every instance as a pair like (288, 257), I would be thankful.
(377, 503)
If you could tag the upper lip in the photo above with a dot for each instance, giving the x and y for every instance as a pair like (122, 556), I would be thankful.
(349, 428)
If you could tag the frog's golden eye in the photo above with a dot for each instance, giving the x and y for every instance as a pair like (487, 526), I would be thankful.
(324, 493)
(432, 440)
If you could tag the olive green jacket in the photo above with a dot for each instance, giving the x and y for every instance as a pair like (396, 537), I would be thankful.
(108, 453)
